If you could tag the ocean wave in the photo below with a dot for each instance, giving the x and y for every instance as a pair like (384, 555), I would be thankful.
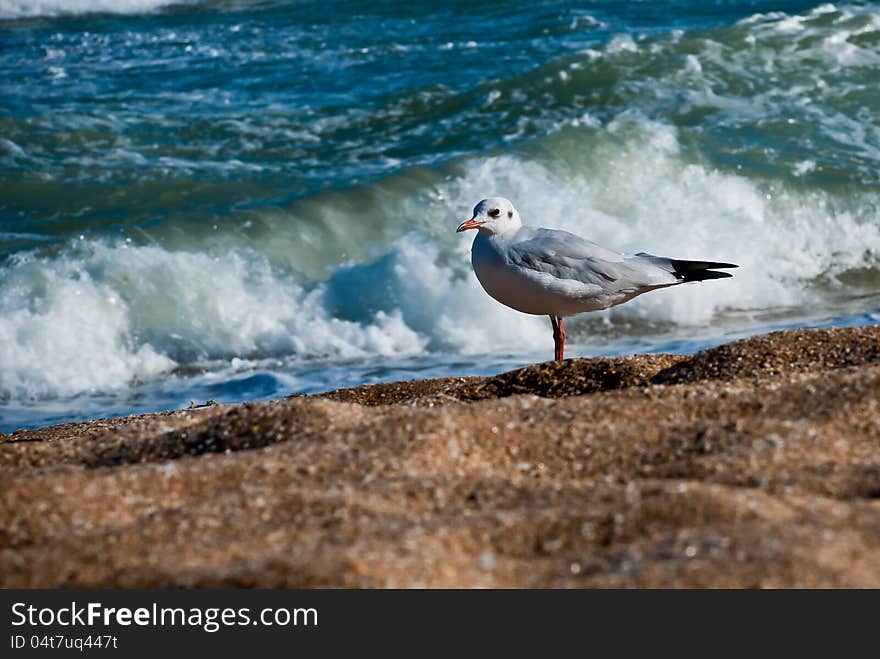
(774, 91)
(754, 142)
(102, 314)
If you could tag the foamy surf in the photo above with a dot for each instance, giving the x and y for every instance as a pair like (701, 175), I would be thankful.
(102, 315)
(33, 8)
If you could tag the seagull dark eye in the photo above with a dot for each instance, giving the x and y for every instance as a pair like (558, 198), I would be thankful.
(495, 212)
(509, 213)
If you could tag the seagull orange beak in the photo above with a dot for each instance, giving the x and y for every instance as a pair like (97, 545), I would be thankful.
(469, 224)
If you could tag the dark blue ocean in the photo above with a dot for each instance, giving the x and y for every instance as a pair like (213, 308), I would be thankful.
(235, 200)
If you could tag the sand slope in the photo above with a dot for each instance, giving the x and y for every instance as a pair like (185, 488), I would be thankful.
(754, 464)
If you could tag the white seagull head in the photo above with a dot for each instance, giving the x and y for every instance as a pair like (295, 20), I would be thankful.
(492, 216)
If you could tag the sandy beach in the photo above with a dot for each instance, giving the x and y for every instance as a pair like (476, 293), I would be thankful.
(754, 464)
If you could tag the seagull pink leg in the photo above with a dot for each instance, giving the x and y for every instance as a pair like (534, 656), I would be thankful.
(561, 348)
(558, 338)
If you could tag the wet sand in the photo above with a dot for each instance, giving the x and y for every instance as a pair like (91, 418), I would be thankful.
(754, 464)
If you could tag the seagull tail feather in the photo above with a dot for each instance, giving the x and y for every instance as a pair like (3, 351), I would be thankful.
(699, 270)
(689, 270)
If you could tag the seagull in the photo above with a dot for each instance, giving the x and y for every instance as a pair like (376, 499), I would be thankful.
(556, 273)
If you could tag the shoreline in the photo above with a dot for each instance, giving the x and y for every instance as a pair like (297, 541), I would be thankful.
(752, 464)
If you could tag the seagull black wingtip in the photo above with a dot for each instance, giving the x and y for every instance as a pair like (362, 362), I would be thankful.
(700, 270)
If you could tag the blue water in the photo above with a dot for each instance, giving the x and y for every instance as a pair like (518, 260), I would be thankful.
(243, 200)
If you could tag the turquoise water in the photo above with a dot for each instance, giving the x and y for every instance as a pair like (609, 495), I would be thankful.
(243, 200)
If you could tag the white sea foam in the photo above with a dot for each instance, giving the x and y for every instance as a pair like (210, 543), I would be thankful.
(61, 334)
(31, 8)
(621, 43)
(102, 315)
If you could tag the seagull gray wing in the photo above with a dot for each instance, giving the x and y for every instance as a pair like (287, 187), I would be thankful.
(565, 256)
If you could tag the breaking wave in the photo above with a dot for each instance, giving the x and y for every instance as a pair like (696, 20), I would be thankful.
(100, 314)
